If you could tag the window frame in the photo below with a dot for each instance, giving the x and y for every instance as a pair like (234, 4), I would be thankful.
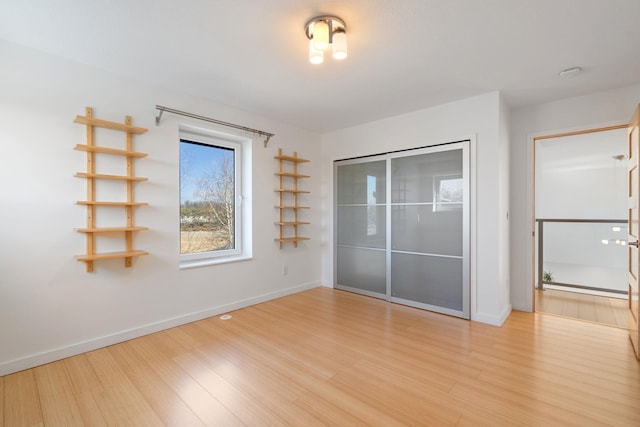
(242, 218)
(438, 204)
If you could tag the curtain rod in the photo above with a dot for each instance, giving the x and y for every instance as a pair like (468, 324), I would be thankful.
(162, 109)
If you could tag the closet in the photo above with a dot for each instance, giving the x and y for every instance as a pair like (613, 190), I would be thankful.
(402, 227)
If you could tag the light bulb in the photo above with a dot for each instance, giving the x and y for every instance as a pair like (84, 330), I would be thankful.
(321, 35)
(315, 56)
(339, 44)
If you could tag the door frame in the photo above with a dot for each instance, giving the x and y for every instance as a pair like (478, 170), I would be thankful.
(531, 187)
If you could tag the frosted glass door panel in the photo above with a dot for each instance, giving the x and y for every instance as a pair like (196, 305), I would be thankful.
(427, 280)
(362, 183)
(362, 269)
(417, 228)
(428, 233)
(362, 226)
(433, 177)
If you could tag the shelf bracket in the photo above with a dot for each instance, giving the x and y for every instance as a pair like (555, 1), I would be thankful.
(158, 117)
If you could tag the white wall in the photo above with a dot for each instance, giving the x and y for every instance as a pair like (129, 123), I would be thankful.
(584, 112)
(503, 209)
(483, 117)
(49, 306)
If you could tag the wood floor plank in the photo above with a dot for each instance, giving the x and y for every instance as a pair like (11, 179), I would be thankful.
(620, 310)
(21, 400)
(165, 402)
(263, 385)
(525, 409)
(126, 403)
(328, 357)
(197, 398)
(586, 307)
(59, 405)
(593, 308)
(247, 409)
(87, 390)
(588, 401)
(604, 313)
(335, 408)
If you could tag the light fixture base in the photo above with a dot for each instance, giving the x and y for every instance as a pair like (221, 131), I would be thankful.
(334, 21)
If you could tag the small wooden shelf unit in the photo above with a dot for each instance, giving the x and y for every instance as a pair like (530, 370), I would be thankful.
(288, 192)
(91, 230)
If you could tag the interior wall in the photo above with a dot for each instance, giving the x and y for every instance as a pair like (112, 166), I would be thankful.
(478, 117)
(50, 307)
(504, 249)
(579, 113)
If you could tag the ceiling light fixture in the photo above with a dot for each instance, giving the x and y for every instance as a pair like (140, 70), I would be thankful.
(325, 32)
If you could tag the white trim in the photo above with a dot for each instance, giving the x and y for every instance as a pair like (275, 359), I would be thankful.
(241, 147)
(52, 355)
(203, 262)
(491, 319)
(473, 240)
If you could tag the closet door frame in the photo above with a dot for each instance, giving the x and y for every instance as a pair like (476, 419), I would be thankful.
(465, 146)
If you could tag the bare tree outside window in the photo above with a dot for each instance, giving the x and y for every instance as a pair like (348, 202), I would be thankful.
(207, 198)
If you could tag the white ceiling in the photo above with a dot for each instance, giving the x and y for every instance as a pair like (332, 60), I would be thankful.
(404, 55)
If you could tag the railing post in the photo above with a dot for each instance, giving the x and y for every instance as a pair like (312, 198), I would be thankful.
(540, 284)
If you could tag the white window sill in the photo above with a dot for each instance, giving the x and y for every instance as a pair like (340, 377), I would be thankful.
(212, 261)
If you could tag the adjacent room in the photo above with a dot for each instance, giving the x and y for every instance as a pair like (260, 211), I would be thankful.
(317, 212)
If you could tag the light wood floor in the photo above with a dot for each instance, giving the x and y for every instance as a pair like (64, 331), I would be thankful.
(326, 357)
(594, 308)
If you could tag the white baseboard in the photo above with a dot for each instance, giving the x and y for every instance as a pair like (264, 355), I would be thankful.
(491, 319)
(118, 337)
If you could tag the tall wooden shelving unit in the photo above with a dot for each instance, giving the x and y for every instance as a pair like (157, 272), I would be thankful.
(93, 203)
(288, 191)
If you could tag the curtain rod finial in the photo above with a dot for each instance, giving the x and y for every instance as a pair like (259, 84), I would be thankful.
(266, 141)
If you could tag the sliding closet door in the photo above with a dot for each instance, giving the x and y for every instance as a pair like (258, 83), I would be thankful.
(361, 238)
(429, 229)
(402, 227)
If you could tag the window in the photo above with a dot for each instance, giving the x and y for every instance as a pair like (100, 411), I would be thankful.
(212, 217)
(447, 192)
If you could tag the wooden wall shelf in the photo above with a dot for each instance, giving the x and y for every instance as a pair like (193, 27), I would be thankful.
(111, 255)
(116, 177)
(97, 203)
(92, 204)
(107, 150)
(122, 127)
(288, 192)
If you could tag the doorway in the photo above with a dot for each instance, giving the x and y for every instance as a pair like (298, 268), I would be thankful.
(581, 201)
(403, 227)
